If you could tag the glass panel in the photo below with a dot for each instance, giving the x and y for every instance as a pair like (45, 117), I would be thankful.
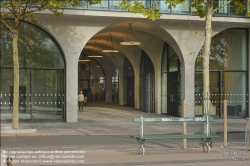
(228, 51)
(233, 7)
(97, 89)
(248, 6)
(214, 93)
(221, 11)
(104, 5)
(6, 97)
(146, 64)
(36, 49)
(164, 98)
(24, 92)
(182, 8)
(235, 92)
(47, 94)
(97, 82)
(164, 66)
(6, 80)
(115, 5)
(84, 4)
(6, 94)
(164, 7)
(115, 88)
(128, 68)
(83, 70)
(172, 60)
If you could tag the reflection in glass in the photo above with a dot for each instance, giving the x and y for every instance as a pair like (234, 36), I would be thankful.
(41, 91)
(228, 51)
(228, 73)
(115, 88)
(235, 92)
(214, 96)
(233, 7)
(223, 10)
(182, 8)
(36, 49)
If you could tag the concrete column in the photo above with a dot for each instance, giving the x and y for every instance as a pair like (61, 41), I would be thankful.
(71, 88)
(187, 88)
(158, 91)
(137, 86)
(187, 53)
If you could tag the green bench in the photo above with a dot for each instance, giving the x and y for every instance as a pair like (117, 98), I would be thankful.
(206, 132)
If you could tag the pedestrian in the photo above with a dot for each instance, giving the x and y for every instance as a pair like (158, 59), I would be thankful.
(80, 101)
(85, 93)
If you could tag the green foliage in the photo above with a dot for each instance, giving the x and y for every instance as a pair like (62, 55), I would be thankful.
(22, 10)
(92, 2)
(152, 13)
(174, 3)
(239, 6)
(200, 7)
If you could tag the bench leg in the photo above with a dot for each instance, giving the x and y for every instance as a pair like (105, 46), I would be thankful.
(205, 144)
(141, 148)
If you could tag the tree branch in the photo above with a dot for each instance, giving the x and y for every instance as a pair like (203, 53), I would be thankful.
(13, 8)
(6, 25)
(23, 13)
(219, 7)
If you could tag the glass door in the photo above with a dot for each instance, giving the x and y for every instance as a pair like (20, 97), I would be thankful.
(47, 94)
(173, 97)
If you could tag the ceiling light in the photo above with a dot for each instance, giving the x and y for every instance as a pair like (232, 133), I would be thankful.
(132, 41)
(84, 60)
(94, 56)
(110, 50)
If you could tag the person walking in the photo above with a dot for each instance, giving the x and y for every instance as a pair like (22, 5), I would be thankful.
(80, 101)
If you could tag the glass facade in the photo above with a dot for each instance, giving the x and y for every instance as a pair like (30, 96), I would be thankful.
(91, 75)
(147, 84)
(129, 83)
(42, 73)
(114, 5)
(170, 84)
(228, 73)
(115, 86)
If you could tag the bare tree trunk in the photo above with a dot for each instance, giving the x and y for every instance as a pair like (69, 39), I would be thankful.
(15, 124)
(206, 55)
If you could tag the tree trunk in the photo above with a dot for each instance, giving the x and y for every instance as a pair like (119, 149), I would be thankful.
(16, 82)
(206, 55)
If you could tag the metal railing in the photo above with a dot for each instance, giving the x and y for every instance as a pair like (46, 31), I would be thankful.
(185, 9)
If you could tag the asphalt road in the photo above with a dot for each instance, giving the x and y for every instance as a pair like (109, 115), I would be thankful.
(105, 142)
(113, 150)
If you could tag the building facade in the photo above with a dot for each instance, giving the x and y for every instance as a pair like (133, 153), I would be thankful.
(155, 76)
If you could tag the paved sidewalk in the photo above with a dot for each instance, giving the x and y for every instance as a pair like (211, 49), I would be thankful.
(107, 119)
(112, 119)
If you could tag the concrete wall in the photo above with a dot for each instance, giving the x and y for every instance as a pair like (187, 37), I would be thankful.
(76, 28)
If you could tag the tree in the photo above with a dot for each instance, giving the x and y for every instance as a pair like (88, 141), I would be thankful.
(204, 9)
(13, 13)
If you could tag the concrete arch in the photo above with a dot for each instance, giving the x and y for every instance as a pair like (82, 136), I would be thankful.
(152, 37)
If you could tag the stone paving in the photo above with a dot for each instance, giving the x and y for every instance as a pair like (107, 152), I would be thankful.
(112, 119)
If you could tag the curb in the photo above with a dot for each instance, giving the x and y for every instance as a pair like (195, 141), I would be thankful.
(18, 131)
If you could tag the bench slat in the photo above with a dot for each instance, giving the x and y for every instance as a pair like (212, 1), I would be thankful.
(176, 136)
(174, 119)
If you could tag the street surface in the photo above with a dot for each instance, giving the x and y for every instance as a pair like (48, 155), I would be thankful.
(122, 150)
